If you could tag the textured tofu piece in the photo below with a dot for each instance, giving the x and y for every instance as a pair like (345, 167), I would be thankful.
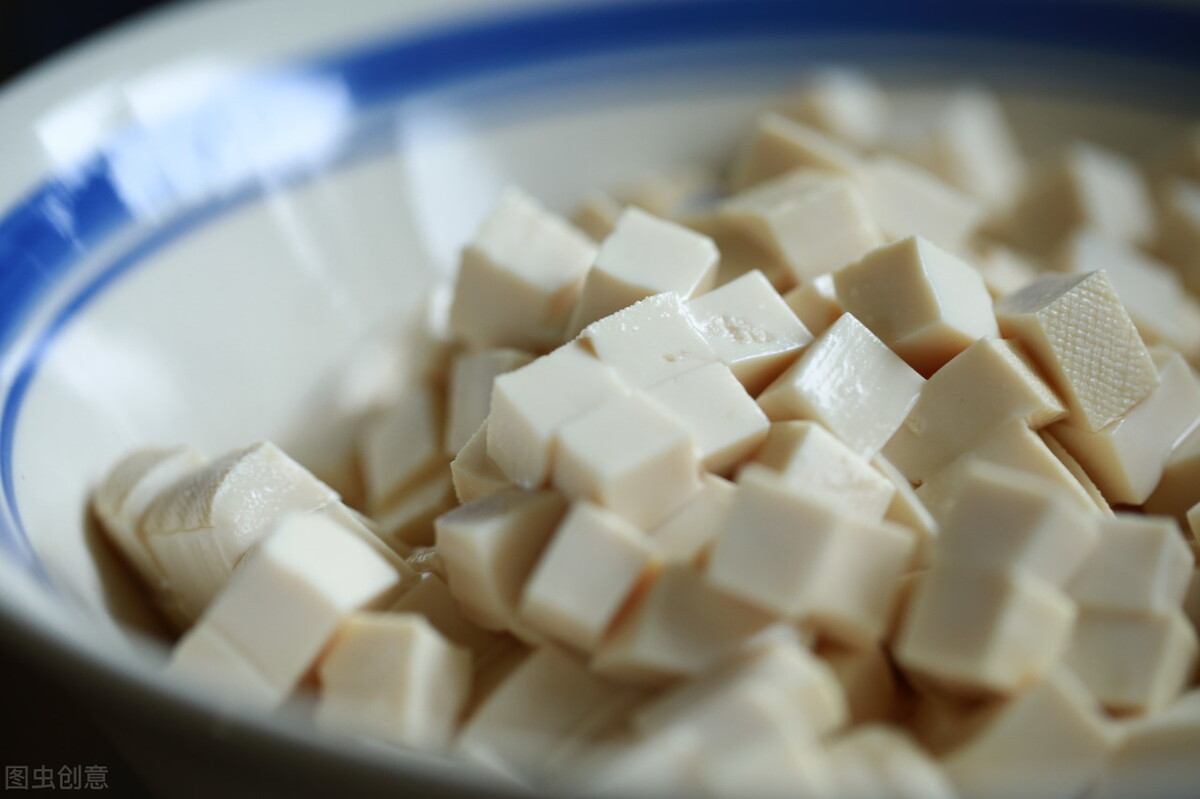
(923, 302)
(1156, 758)
(392, 676)
(867, 681)
(1133, 661)
(907, 200)
(474, 474)
(850, 382)
(199, 527)
(400, 445)
(631, 455)
(995, 382)
(1126, 458)
(282, 605)
(408, 521)
(778, 145)
(980, 632)
(596, 215)
(687, 533)
(1179, 229)
(750, 328)
(725, 423)
(644, 255)
(520, 277)
(531, 404)
(469, 393)
(1051, 742)
(812, 458)
(1015, 446)
(682, 626)
(875, 760)
(810, 221)
(490, 546)
(1179, 488)
(1003, 518)
(1139, 563)
(815, 303)
(842, 103)
(1086, 185)
(430, 598)
(588, 571)
(650, 341)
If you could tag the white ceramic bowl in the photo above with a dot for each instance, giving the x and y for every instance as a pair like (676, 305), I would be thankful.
(205, 212)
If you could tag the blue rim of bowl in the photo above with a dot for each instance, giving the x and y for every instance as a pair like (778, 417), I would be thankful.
(38, 250)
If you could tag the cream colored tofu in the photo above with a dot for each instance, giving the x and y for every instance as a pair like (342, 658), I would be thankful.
(282, 605)
(469, 393)
(1085, 185)
(656, 766)
(850, 382)
(1178, 489)
(980, 632)
(413, 701)
(1015, 446)
(842, 103)
(725, 423)
(907, 200)
(1179, 229)
(596, 215)
(943, 722)
(592, 565)
(1005, 271)
(643, 256)
(750, 328)
(199, 528)
(400, 445)
(811, 221)
(908, 509)
(205, 658)
(867, 682)
(630, 455)
(650, 341)
(777, 145)
(815, 303)
(686, 534)
(1156, 758)
(877, 761)
(474, 474)
(988, 384)
(520, 278)
(680, 627)
(1126, 458)
(490, 546)
(408, 521)
(739, 251)
(813, 459)
(1003, 518)
(923, 302)
(1139, 563)
(367, 530)
(1135, 661)
(1050, 742)
(430, 598)
(531, 404)
(1076, 470)
(769, 766)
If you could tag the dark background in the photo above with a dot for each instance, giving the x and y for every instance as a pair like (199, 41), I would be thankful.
(41, 725)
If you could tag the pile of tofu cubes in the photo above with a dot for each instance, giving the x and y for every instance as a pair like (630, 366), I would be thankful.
(871, 471)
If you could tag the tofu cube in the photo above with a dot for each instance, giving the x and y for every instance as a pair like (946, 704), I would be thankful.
(815, 303)
(408, 521)
(1139, 563)
(867, 681)
(987, 385)
(400, 445)
(520, 277)
(686, 534)
(474, 474)
(470, 392)
(596, 215)
(1156, 758)
(430, 598)
(878, 760)
(850, 382)
(644, 255)
(395, 678)
(923, 302)
(842, 103)
(907, 200)
(1179, 488)
(630, 455)
(778, 145)
(1005, 271)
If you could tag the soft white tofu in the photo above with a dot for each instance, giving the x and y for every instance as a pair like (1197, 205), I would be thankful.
(430, 597)
(1139, 563)
(1179, 488)
(686, 534)
(908, 509)
(883, 762)
(777, 145)
(850, 382)
(469, 392)
(907, 200)
(843, 103)
(867, 681)
(401, 445)
(1004, 270)
(815, 303)
(596, 215)
(1156, 758)
(473, 472)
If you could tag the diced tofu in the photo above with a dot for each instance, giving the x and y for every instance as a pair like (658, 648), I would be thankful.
(942, 722)
(531, 404)
(393, 677)
(725, 423)
(470, 392)
(842, 103)
(867, 681)
(850, 382)
(766, 766)
(750, 328)
(1126, 458)
(650, 341)
(687, 533)
(1005, 271)
(1156, 759)
(668, 193)
(475, 475)
(778, 145)
(520, 277)
(490, 546)
(987, 385)
(597, 215)
(1179, 230)
(644, 255)
(204, 657)
(815, 303)
(923, 302)
(980, 632)
(630, 455)
(1179, 488)
(408, 521)
(401, 445)
(431, 598)
(909, 510)
(907, 200)
(1051, 742)
(812, 458)
(875, 760)
(1072, 466)
(681, 627)
(590, 568)
(810, 221)
(1139, 563)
